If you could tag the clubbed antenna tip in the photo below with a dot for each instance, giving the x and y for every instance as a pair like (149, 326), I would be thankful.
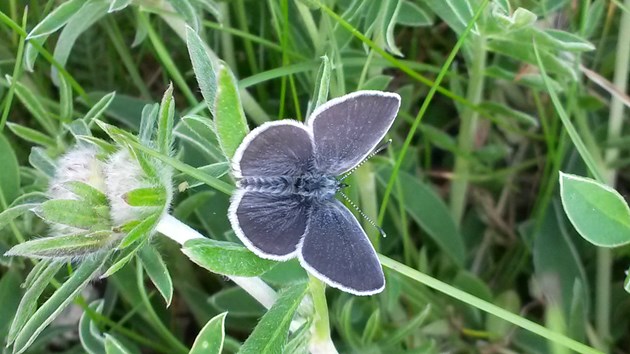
(355, 207)
(378, 149)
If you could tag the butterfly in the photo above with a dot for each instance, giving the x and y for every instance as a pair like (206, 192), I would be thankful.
(285, 205)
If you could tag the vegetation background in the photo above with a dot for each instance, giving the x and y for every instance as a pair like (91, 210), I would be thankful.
(473, 169)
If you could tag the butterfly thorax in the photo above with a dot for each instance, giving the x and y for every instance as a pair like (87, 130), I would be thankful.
(311, 186)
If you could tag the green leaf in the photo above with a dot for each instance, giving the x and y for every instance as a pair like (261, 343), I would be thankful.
(200, 132)
(372, 327)
(147, 122)
(521, 48)
(166, 117)
(57, 302)
(430, 212)
(84, 18)
(90, 335)
(499, 328)
(322, 85)
(456, 13)
(146, 197)
(63, 246)
(10, 294)
(226, 258)
(237, 302)
(229, 117)
(74, 213)
(65, 100)
(507, 112)
(123, 258)
(36, 287)
(270, 335)
(216, 170)
(30, 100)
(210, 338)
(413, 15)
(40, 160)
(411, 326)
(56, 19)
(86, 192)
(10, 176)
(142, 230)
(626, 282)
(113, 346)
(157, 271)
(99, 108)
(187, 11)
(31, 53)
(123, 108)
(390, 18)
(598, 213)
(377, 82)
(563, 40)
(593, 22)
(203, 67)
(117, 5)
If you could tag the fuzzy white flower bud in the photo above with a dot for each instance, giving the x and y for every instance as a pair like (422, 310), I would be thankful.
(80, 164)
(123, 174)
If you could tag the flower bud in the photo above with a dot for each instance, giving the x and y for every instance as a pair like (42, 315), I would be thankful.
(123, 174)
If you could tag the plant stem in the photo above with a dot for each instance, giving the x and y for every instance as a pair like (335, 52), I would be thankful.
(604, 256)
(486, 306)
(320, 330)
(468, 129)
(179, 232)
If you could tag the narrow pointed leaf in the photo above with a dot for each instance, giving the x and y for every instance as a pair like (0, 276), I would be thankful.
(10, 175)
(148, 197)
(142, 230)
(75, 213)
(114, 346)
(63, 246)
(157, 271)
(229, 117)
(57, 302)
(35, 288)
(56, 19)
(41, 161)
(203, 68)
(166, 118)
(270, 335)
(210, 338)
(99, 107)
(91, 339)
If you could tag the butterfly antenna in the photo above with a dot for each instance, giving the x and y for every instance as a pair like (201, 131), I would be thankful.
(355, 207)
(378, 149)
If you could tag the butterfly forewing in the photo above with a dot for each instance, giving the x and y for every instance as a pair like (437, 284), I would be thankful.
(281, 148)
(346, 129)
(336, 249)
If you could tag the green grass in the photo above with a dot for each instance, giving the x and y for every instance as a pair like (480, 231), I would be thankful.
(494, 106)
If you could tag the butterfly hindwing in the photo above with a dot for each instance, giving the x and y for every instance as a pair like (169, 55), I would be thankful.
(336, 249)
(346, 129)
(270, 225)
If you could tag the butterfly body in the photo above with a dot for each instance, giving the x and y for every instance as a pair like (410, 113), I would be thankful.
(285, 205)
(313, 187)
